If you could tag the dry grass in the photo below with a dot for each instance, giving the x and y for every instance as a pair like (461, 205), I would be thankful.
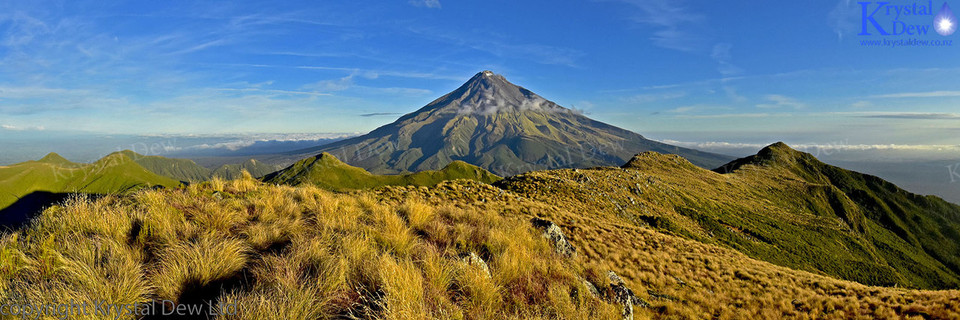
(404, 253)
(688, 279)
(293, 253)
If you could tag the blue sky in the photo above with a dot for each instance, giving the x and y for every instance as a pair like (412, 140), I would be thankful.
(693, 72)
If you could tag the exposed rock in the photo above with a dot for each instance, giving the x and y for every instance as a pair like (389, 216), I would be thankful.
(592, 288)
(623, 296)
(475, 260)
(553, 233)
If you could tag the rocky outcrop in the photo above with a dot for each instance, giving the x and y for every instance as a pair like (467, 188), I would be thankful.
(554, 234)
(620, 294)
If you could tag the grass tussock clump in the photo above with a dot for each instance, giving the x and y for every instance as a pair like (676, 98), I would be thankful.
(197, 263)
(673, 277)
(460, 250)
(293, 253)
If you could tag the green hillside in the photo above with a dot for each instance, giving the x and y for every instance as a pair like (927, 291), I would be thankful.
(58, 160)
(913, 227)
(114, 173)
(458, 250)
(186, 170)
(256, 169)
(178, 169)
(328, 172)
(782, 206)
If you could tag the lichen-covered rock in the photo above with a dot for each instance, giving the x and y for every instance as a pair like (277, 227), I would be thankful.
(475, 260)
(553, 233)
(623, 296)
(591, 288)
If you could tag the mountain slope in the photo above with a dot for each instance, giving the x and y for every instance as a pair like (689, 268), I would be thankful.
(927, 223)
(330, 173)
(781, 206)
(189, 171)
(112, 174)
(178, 169)
(56, 159)
(501, 127)
(256, 169)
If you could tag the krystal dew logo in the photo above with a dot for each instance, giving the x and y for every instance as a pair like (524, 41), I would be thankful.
(906, 24)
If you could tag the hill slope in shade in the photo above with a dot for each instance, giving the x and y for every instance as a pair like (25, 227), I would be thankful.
(178, 169)
(330, 173)
(114, 173)
(501, 127)
(256, 169)
(187, 170)
(782, 206)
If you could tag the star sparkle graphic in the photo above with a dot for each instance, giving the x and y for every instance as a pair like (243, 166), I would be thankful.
(945, 23)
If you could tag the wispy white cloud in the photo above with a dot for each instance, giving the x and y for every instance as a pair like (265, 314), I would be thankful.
(781, 101)
(366, 73)
(672, 21)
(503, 46)
(333, 85)
(28, 100)
(843, 18)
(930, 94)
(808, 146)
(379, 114)
(21, 128)
(733, 115)
(698, 83)
(861, 104)
(677, 27)
(544, 54)
(242, 141)
(22, 28)
(202, 46)
(721, 54)
(699, 108)
(273, 91)
(731, 92)
(32, 92)
(911, 115)
(653, 97)
(348, 83)
(435, 4)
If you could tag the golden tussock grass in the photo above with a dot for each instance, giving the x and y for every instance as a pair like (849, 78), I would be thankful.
(461, 250)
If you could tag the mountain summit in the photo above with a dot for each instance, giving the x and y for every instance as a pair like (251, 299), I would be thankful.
(501, 127)
(488, 93)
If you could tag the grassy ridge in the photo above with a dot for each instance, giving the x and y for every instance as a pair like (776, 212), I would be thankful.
(114, 173)
(404, 252)
(328, 172)
(57, 160)
(117, 172)
(926, 226)
(179, 169)
(691, 243)
(773, 210)
(294, 253)
(235, 171)
(189, 171)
